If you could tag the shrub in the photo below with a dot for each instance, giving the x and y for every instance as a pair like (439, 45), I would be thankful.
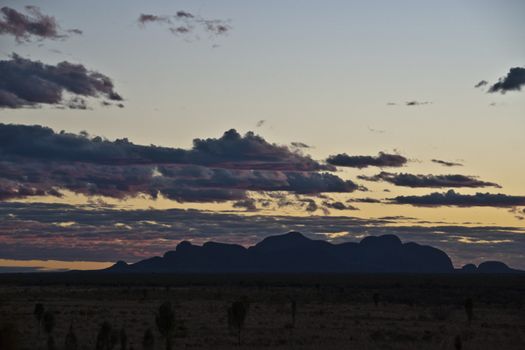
(165, 320)
(236, 316)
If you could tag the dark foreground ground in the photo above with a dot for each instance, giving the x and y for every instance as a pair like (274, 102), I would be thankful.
(332, 312)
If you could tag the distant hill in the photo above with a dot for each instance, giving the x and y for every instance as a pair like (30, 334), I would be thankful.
(295, 253)
(489, 267)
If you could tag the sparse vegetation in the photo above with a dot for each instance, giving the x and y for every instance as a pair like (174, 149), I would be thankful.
(334, 319)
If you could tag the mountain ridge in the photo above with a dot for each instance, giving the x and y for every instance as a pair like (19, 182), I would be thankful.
(295, 253)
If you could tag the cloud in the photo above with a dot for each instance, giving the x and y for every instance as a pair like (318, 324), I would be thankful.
(338, 205)
(413, 180)
(248, 204)
(445, 163)
(481, 84)
(363, 200)
(513, 81)
(24, 27)
(451, 198)
(37, 161)
(27, 83)
(299, 145)
(147, 18)
(92, 233)
(381, 160)
(417, 103)
(186, 23)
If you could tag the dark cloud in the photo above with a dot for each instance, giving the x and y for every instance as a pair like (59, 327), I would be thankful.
(27, 83)
(481, 84)
(338, 205)
(451, 198)
(299, 145)
(381, 160)
(186, 23)
(418, 180)
(417, 103)
(214, 170)
(445, 163)
(363, 200)
(229, 151)
(67, 232)
(32, 24)
(146, 18)
(513, 81)
(248, 204)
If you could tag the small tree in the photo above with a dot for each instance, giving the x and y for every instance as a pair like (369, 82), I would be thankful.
(49, 325)
(39, 314)
(236, 316)
(71, 341)
(469, 309)
(165, 320)
(148, 342)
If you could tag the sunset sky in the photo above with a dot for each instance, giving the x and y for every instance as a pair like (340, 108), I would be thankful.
(128, 126)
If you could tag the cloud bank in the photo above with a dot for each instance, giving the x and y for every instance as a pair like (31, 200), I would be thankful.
(452, 198)
(438, 181)
(36, 161)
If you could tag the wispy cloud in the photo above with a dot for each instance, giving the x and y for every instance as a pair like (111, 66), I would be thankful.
(437, 181)
(452, 198)
(32, 24)
(381, 160)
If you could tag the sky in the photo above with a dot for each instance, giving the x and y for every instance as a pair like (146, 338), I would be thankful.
(129, 126)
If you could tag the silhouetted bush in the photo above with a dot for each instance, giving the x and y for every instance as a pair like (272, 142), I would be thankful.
(71, 341)
(165, 320)
(39, 314)
(148, 342)
(469, 309)
(236, 316)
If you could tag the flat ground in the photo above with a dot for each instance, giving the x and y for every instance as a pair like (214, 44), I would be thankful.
(333, 312)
